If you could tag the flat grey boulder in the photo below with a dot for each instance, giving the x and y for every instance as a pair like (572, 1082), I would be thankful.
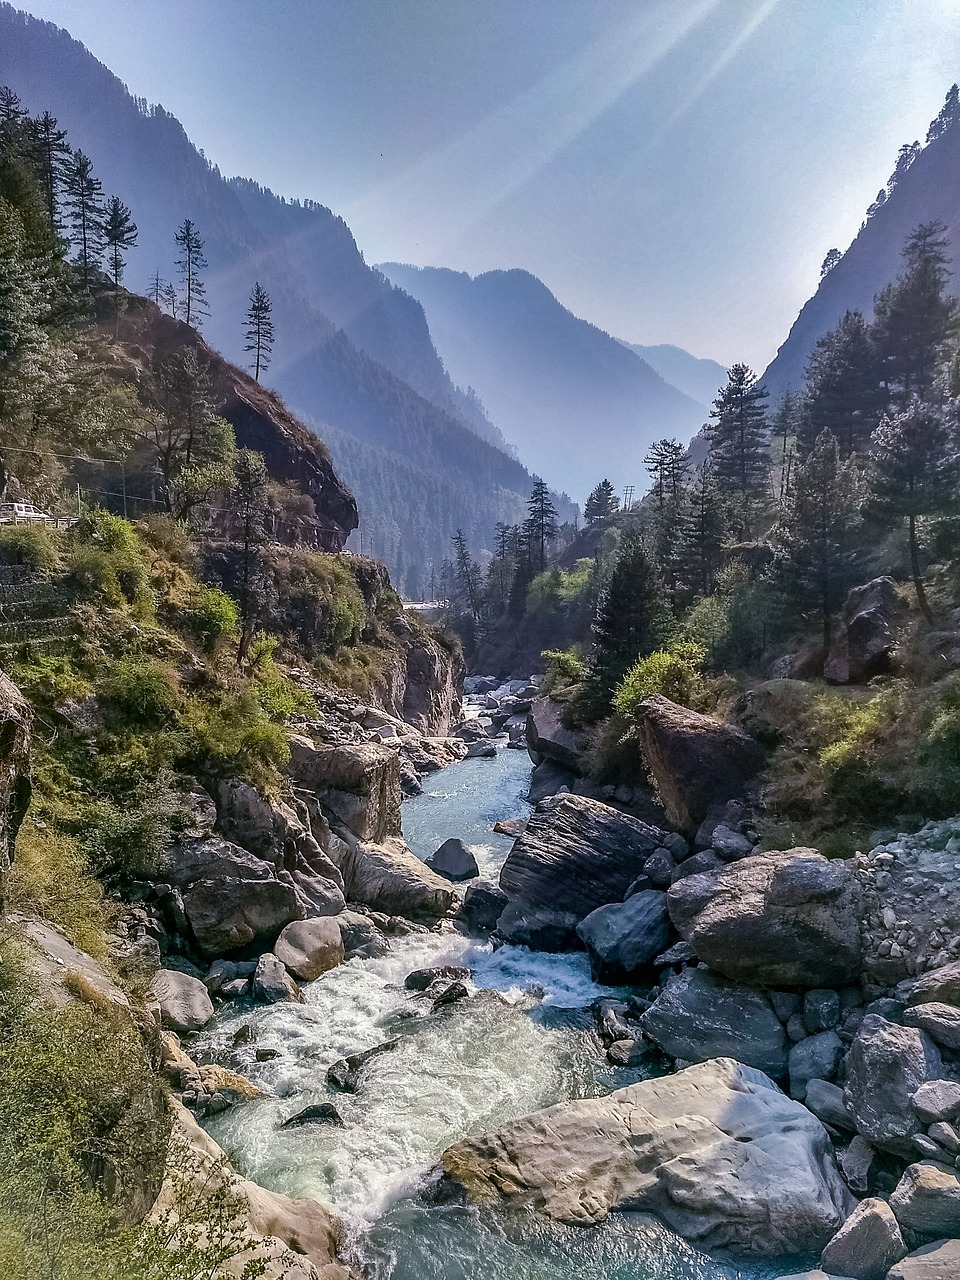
(696, 761)
(701, 1016)
(886, 1065)
(184, 1001)
(454, 860)
(716, 1152)
(940, 1021)
(390, 878)
(623, 937)
(574, 855)
(229, 912)
(937, 1100)
(937, 1261)
(308, 948)
(938, 986)
(926, 1200)
(782, 919)
(815, 1058)
(548, 738)
(358, 783)
(868, 1243)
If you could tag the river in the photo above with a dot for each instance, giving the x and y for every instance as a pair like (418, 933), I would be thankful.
(525, 1041)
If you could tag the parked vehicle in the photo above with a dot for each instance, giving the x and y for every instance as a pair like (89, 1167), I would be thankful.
(22, 513)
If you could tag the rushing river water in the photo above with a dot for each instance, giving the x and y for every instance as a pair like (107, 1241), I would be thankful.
(526, 1040)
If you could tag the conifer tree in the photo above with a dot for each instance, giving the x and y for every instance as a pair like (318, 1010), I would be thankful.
(83, 198)
(914, 317)
(817, 559)
(842, 391)
(155, 288)
(53, 154)
(601, 505)
(667, 464)
(914, 474)
(119, 234)
(190, 264)
(702, 532)
(467, 574)
(259, 330)
(738, 436)
(543, 526)
(12, 110)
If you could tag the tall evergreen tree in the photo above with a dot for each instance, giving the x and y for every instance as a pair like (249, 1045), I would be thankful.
(914, 476)
(542, 521)
(915, 317)
(467, 574)
(667, 464)
(842, 391)
(190, 264)
(53, 154)
(701, 534)
(601, 505)
(817, 558)
(119, 234)
(738, 436)
(259, 330)
(83, 199)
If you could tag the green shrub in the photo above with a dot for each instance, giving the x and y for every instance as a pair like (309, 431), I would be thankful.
(167, 535)
(52, 877)
(141, 691)
(279, 697)
(565, 669)
(211, 617)
(28, 544)
(674, 673)
(107, 559)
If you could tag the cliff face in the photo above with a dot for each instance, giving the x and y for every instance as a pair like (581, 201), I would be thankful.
(259, 418)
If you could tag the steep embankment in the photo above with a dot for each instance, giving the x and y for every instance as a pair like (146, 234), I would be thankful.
(929, 190)
(558, 386)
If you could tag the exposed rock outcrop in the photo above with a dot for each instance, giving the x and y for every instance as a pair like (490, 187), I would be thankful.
(548, 738)
(390, 878)
(15, 722)
(790, 919)
(573, 856)
(867, 636)
(359, 784)
(716, 1152)
(698, 763)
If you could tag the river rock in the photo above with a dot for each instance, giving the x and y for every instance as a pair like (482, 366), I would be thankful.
(185, 1003)
(271, 984)
(227, 913)
(868, 1243)
(548, 779)
(937, 986)
(926, 1200)
(360, 936)
(481, 751)
(937, 1100)
(421, 979)
(624, 937)
(574, 855)
(886, 1065)
(309, 948)
(390, 878)
(937, 1261)
(701, 1015)
(815, 1058)
(941, 1022)
(345, 1074)
(826, 1102)
(548, 738)
(481, 908)
(454, 860)
(715, 1151)
(318, 1113)
(358, 783)
(696, 761)
(790, 919)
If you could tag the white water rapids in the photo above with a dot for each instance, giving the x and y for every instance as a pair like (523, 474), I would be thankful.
(525, 1041)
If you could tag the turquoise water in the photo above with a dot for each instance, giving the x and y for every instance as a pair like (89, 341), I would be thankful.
(524, 1041)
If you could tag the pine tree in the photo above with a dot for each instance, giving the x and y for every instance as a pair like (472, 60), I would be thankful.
(914, 317)
(738, 436)
(467, 574)
(190, 264)
(914, 475)
(155, 288)
(817, 559)
(259, 330)
(629, 624)
(12, 110)
(83, 198)
(170, 298)
(667, 464)
(543, 526)
(842, 391)
(53, 153)
(602, 504)
(702, 533)
(119, 233)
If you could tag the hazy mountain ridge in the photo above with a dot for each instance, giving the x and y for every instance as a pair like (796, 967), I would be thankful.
(695, 376)
(352, 350)
(927, 191)
(552, 381)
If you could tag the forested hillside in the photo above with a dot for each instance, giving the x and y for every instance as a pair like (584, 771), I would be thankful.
(555, 384)
(350, 349)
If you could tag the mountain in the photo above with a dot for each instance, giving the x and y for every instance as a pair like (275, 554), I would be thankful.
(352, 351)
(925, 187)
(700, 379)
(561, 390)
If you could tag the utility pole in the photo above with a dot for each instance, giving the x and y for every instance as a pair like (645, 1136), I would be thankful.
(628, 490)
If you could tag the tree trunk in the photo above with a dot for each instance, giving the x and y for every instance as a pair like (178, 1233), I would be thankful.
(915, 568)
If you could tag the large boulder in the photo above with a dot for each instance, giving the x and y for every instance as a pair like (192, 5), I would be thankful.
(868, 1243)
(309, 948)
(454, 860)
(390, 878)
(358, 783)
(548, 738)
(15, 721)
(886, 1065)
(867, 636)
(228, 913)
(701, 1015)
(271, 984)
(698, 763)
(937, 1261)
(573, 856)
(716, 1152)
(926, 1200)
(779, 919)
(481, 907)
(624, 937)
(184, 1001)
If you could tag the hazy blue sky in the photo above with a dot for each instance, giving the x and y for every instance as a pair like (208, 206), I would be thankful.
(675, 170)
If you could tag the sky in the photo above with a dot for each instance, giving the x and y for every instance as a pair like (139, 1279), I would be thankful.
(674, 170)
